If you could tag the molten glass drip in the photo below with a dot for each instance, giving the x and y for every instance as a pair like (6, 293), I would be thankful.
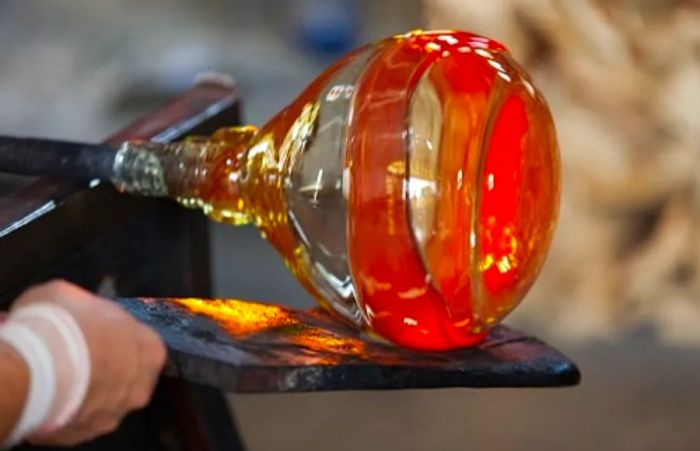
(412, 188)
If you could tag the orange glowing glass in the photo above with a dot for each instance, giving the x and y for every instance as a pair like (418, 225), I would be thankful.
(412, 188)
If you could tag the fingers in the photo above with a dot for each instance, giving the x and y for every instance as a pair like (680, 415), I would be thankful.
(126, 359)
(153, 357)
(80, 431)
(56, 291)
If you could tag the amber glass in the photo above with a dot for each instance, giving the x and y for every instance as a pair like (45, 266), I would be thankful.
(412, 188)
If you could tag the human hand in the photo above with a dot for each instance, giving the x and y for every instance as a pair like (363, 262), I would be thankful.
(126, 358)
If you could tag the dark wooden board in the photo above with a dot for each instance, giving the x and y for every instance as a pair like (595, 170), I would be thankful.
(248, 347)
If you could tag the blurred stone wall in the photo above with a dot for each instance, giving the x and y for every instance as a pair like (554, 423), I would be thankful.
(623, 81)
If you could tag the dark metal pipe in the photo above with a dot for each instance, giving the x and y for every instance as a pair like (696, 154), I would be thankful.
(44, 157)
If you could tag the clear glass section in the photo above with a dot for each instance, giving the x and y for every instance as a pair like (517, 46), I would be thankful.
(444, 124)
(316, 201)
(424, 127)
(482, 182)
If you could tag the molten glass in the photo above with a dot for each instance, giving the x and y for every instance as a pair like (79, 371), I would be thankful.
(412, 188)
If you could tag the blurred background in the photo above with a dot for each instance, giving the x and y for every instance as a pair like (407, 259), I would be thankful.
(620, 293)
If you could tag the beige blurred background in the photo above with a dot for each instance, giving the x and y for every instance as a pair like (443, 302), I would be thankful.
(623, 81)
(620, 292)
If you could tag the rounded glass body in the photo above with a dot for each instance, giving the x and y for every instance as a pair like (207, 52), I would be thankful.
(412, 188)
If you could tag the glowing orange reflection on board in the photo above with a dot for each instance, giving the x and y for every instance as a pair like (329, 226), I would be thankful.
(243, 319)
(239, 318)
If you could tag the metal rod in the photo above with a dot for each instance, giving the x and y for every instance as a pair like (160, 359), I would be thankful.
(44, 157)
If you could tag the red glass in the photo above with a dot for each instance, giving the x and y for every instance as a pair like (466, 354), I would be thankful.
(412, 188)
(498, 178)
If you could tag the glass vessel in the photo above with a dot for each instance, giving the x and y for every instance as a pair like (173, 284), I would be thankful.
(412, 188)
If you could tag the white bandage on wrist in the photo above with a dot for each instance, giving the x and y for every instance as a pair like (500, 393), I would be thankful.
(54, 347)
(74, 354)
(42, 378)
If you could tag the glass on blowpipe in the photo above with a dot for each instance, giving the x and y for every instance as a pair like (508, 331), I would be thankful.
(412, 188)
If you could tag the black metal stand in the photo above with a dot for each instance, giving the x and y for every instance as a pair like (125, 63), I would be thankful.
(127, 246)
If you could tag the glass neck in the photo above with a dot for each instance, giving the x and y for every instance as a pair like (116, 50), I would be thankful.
(198, 172)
